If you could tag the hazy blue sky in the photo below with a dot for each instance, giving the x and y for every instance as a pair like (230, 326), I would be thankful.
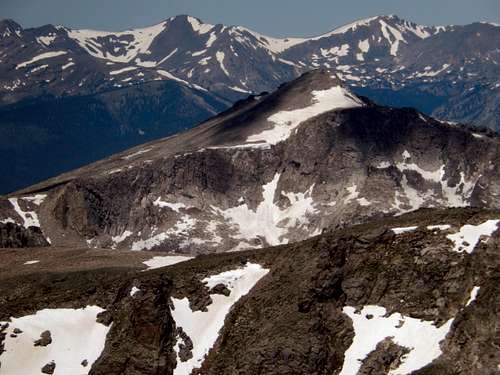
(272, 17)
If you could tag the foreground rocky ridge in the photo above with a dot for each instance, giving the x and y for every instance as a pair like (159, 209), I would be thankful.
(272, 170)
(297, 318)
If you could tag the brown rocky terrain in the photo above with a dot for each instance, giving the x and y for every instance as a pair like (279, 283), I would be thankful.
(293, 321)
(218, 187)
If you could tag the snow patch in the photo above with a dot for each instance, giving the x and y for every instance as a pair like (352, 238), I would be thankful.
(220, 58)
(122, 237)
(140, 152)
(420, 336)
(43, 56)
(203, 327)
(76, 336)
(173, 206)
(164, 261)
(468, 236)
(30, 262)
(473, 295)
(140, 43)
(123, 70)
(30, 218)
(134, 290)
(286, 122)
(439, 227)
(403, 230)
(269, 221)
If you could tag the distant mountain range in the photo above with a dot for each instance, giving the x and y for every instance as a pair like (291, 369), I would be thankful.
(69, 97)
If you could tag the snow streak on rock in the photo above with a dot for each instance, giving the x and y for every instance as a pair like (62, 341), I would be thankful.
(164, 261)
(269, 221)
(286, 122)
(203, 327)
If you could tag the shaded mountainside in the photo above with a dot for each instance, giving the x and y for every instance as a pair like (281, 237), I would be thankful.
(272, 170)
(45, 137)
(431, 296)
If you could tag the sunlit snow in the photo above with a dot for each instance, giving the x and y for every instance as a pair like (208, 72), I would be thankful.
(468, 236)
(269, 220)
(285, 122)
(164, 261)
(76, 336)
(203, 327)
(420, 336)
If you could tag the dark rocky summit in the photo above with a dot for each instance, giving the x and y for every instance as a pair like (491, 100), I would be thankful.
(232, 183)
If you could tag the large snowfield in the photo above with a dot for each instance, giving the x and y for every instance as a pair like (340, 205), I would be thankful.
(76, 336)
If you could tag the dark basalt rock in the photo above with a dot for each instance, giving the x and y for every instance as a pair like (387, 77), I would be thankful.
(16, 236)
(220, 289)
(186, 346)
(386, 356)
(49, 368)
(44, 340)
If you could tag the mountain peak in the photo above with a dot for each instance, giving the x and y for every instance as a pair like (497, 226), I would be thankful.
(9, 27)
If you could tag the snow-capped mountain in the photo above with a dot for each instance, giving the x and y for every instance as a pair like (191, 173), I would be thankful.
(123, 87)
(274, 169)
(383, 52)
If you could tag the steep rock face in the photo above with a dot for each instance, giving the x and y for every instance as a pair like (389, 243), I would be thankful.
(272, 170)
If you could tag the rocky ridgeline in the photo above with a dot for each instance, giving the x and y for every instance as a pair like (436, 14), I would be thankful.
(272, 170)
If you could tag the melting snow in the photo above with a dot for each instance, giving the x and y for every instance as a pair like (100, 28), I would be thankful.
(203, 327)
(420, 336)
(123, 70)
(164, 261)
(468, 236)
(285, 122)
(269, 220)
(473, 295)
(30, 262)
(30, 218)
(43, 56)
(76, 336)
(403, 229)
(220, 58)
